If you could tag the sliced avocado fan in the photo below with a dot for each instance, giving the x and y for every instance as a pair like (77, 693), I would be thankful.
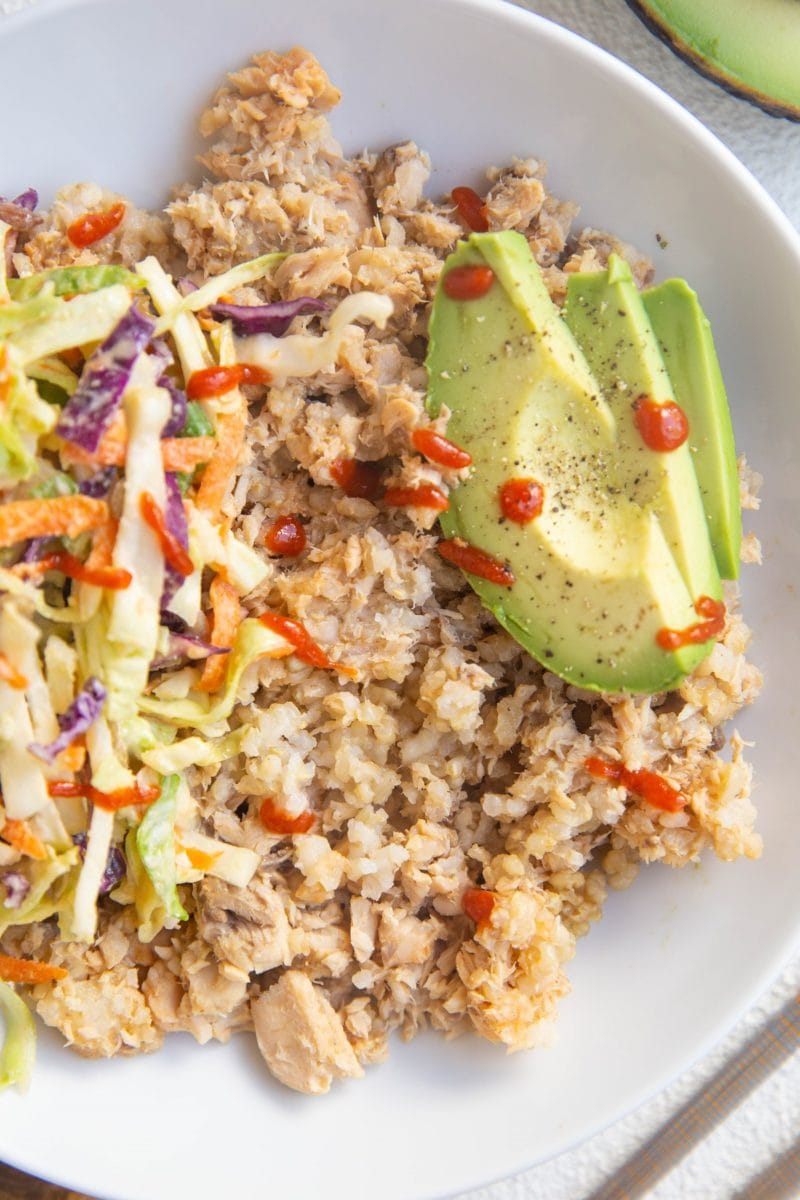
(687, 345)
(604, 567)
(751, 47)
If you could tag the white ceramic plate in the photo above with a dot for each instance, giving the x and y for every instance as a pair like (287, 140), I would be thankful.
(110, 91)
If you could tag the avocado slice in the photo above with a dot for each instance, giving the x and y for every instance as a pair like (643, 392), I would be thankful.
(687, 345)
(595, 578)
(605, 311)
(752, 49)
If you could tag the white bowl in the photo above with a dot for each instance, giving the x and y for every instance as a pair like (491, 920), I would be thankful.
(110, 91)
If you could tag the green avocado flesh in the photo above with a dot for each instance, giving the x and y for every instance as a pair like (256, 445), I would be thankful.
(605, 565)
(606, 314)
(684, 336)
(752, 47)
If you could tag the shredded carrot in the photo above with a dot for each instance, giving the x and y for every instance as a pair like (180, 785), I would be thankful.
(110, 801)
(10, 675)
(73, 358)
(178, 454)
(28, 970)
(72, 758)
(226, 617)
(19, 835)
(70, 515)
(199, 859)
(216, 477)
(103, 541)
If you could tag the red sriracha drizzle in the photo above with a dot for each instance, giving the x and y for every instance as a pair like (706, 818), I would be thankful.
(521, 500)
(439, 449)
(91, 227)
(114, 578)
(173, 551)
(652, 788)
(286, 536)
(471, 209)
(476, 562)
(305, 648)
(702, 631)
(662, 426)
(215, 381)
(360, 480)
(468, 282)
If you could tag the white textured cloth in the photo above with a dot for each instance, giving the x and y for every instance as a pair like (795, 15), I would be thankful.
(769, 1121)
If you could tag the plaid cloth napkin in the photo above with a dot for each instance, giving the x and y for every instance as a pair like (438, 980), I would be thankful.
(776, 1042)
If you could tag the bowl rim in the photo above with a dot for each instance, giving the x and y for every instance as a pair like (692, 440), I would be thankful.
(546, 29)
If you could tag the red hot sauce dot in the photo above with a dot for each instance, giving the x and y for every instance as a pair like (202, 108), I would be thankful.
(471, 209)
(276, 820)
(359, 480)
(468, 282)
(439, 449)
(521, 500)
(662, 426)
(478, 904)
(286, 536)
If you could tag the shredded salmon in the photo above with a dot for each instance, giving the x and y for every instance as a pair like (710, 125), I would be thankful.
(229, 446)
(56, 517)
(10, 675)
(29, 970)
(226, 618)
(19, 835)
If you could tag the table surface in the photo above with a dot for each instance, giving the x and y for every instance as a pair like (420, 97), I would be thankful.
(769, 1121)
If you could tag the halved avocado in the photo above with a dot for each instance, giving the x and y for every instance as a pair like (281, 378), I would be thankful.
(751, 47)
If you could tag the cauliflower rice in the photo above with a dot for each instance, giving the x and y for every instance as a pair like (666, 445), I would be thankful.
(452, 759)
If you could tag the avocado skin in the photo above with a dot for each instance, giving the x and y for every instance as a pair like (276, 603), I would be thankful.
(595, 578)
(687, 344)
(688, 27)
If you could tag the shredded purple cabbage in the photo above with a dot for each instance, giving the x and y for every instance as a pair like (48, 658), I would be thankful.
(266, 318)
(186, 645)
(116, 865)
(80, 716)
(18, 213)
(35, 549)
(27, 199)
(89, 410)
(175, 520)
(17, 887)
(177, 416)
(185, 286)
(100, 484)
(173, 622)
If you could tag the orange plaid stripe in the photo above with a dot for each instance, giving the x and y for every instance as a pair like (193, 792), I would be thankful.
(779, 1181)
(776, 1042)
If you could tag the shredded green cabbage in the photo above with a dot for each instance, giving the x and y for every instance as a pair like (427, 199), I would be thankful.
(155, 844)
(58, 325)
(19, 1045)
(24, 417)
(253, 641)
(71, 281)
